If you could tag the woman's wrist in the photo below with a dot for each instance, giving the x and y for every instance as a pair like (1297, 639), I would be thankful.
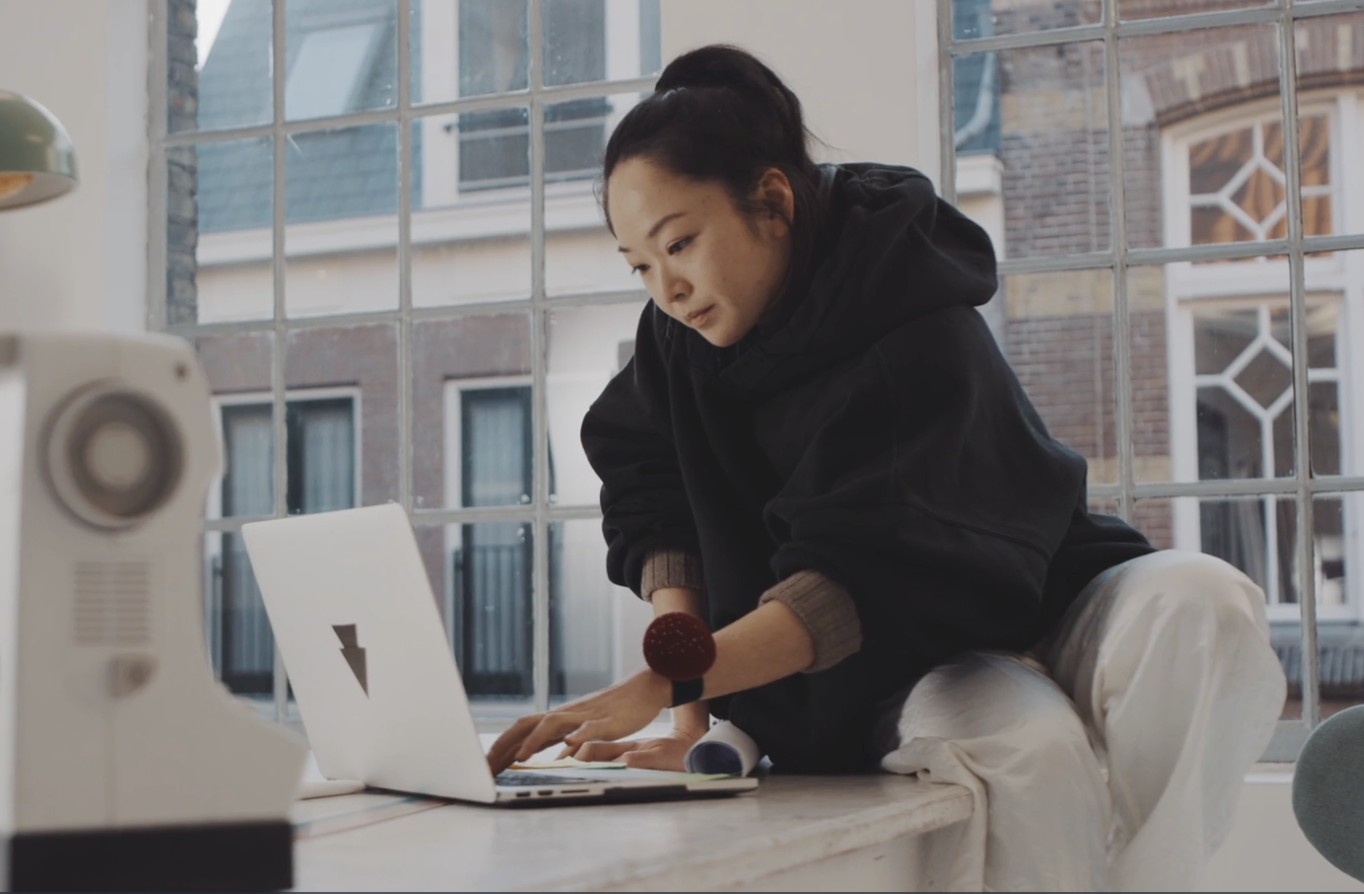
(691, 720)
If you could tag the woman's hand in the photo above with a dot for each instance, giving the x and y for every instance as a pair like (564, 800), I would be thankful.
(611, 714)
(664, 753)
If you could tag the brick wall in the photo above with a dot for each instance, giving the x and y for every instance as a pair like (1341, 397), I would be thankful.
(182, 224)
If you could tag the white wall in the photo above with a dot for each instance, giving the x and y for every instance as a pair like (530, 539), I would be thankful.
(865, 70)
(80, 261)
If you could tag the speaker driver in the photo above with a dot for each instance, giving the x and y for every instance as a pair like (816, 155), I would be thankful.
(113, 457)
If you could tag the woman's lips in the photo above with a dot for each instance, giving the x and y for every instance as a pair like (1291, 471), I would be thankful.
(698, 318)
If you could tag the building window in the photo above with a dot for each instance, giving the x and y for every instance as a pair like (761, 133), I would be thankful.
(1237, 314)
(320, 443)
(1237, 190)
(493, 58)
(1182, 267)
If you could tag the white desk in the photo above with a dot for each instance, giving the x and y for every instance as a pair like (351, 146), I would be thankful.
(793, 833)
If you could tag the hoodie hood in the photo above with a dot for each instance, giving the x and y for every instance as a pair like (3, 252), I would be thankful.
(892, 251)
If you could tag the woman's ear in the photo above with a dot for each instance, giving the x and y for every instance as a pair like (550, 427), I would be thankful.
(774, 193)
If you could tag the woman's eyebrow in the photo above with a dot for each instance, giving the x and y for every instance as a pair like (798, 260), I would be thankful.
(653, 231)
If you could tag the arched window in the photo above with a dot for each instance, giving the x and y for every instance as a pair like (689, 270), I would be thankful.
(1231, 356)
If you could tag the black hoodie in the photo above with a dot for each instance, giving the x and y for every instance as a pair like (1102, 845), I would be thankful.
(876, 435)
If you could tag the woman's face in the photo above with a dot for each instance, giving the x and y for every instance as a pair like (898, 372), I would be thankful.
(706, 263)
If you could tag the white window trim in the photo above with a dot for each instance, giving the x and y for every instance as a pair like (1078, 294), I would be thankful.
(293, 395)
(453, 410)
(1188, 286)
(440, 64)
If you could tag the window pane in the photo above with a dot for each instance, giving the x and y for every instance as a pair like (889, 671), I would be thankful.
(468, 243)
(452, 445)
(1330, 54)
(1253, 534)
(984, 18)
(587, 346)
(1216, 180)
(485, 586)
(340, 57)
(341, 201)
(1212, 377)
(219, 232)
(581, 255)
(1340, 645)
(245, 645)
(342, 419)
(493, 149)
(1058, 338)
(595, 627)
(219, 63)
(1150, 9)
(1052, 142)
(576, 37)
(238, 369)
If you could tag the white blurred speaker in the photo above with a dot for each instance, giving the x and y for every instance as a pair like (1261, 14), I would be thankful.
(123, 764)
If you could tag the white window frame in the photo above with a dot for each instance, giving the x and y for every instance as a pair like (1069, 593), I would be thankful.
(1246, 284)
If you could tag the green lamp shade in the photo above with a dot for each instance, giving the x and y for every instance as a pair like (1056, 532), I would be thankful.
(37, 160)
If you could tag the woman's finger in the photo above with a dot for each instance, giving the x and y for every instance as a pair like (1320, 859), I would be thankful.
(549, 731)
(589, 730)
(501, 755)
(598, 750)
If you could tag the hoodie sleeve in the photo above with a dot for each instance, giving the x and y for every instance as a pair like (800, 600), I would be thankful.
(627, 436)
(932, 491)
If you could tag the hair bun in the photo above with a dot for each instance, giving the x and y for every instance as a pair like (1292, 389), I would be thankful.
(717, 66)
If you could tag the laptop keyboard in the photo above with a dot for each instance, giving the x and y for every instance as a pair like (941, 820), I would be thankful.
(523, 778)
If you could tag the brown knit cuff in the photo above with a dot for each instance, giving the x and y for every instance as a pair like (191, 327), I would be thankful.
(827, 611)
(670, 568)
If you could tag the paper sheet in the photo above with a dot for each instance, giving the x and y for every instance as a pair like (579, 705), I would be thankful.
(725, 750)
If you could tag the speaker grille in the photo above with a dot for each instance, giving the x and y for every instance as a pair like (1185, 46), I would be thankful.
(113, 604)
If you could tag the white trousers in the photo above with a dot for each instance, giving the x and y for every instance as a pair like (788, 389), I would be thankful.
(1117, 765)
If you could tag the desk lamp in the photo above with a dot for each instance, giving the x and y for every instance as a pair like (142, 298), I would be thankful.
(37, 160)
(124, 765)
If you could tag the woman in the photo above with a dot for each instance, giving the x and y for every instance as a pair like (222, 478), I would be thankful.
(819, 448)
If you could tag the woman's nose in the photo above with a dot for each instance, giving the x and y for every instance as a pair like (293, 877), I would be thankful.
(675, 288)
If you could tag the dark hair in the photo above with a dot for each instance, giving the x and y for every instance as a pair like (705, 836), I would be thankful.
(718, 114)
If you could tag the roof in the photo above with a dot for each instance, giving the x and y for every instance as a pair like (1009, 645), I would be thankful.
(330, 174)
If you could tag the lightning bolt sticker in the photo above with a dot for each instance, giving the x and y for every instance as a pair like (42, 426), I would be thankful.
(354, 655)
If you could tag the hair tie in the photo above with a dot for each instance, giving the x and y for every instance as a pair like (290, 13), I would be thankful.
(679, 646)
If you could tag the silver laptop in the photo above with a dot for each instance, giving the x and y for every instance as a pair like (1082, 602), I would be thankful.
(375, 678)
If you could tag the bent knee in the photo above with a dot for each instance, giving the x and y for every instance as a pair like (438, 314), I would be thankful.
(1192, 588)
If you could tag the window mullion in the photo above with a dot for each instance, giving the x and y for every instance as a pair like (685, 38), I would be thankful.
(405, 362)
(1305, 540)
(1117, 226)
(947, 152)
(277, 366)
(539, 359)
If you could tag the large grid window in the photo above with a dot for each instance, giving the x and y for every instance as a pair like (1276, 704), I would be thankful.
(378, 226)
(1182, 269)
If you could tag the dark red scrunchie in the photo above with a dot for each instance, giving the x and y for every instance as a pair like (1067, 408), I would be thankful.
(679, 646)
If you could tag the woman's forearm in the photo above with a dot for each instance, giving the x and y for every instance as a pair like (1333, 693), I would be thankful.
(765, 645)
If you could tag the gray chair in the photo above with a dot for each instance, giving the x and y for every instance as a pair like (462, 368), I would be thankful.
(1328, 790)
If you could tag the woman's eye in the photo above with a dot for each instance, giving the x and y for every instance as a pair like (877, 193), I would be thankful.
(640, 269)
(679, 245)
